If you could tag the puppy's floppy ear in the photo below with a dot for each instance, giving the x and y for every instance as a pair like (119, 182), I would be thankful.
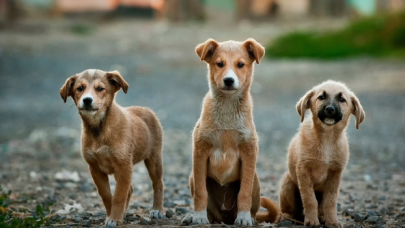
(304, 103)
(206, 50)
(115, 78)
(256, 51)
(358, 111)
(67, 88)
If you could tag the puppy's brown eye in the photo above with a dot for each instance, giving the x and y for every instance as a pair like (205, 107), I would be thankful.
(220, 64)
(240, 65)
(99, 89)
(322, 97)
(341, 99)
(80, 89)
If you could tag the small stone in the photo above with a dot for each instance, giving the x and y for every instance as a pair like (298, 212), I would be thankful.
(187, 202)
(134, 206)
(285, 223)
(358, 217)
(144, 222)
(182, 210)
(374, 219)
(351, 226)
(187, 219)
(370, 213)
(86, 223)
(131, 218)
(396, 216)
(169, 213)
(370, 206)
(168, 204)
(383, 211)
(382, 198)
(77, 219)
(347, 212)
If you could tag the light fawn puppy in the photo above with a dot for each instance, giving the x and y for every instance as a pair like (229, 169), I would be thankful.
(318, 154)
(114, 139)
(223, 181)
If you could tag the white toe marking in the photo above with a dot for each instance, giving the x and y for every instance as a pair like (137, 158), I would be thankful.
(155, 214)
(110, 223)
(244, 218)
(201, 217)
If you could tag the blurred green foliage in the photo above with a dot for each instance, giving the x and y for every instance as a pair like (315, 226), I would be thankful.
(37, 219)
(382, 35)
(82, 29)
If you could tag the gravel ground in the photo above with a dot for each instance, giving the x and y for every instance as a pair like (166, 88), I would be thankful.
(40, 135)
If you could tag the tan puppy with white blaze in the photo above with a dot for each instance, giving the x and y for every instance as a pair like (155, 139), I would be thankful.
(318, 154)
(223, 181)
(114, 139)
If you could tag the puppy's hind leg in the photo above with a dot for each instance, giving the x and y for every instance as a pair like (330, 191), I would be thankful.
(290, 201)
(154, 165)
(131, 190)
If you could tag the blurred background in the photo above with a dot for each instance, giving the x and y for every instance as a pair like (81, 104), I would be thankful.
(151, 42)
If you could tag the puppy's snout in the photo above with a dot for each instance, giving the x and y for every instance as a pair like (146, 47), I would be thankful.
(228, 81)
(330, 110)
(87, 101)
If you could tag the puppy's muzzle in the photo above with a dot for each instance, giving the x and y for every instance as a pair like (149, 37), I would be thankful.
(87, 104)
(330, 115)
(330, 110)
(228, 81)
(87, 101)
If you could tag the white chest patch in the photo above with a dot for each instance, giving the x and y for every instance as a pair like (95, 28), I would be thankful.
(328, 150)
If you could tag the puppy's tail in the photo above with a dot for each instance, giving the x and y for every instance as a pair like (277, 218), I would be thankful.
(272, 212)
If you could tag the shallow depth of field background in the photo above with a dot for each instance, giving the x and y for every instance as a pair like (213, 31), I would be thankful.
(151, 43)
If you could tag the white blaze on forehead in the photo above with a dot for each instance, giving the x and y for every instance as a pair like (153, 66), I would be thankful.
(91, 72)
(231, 74)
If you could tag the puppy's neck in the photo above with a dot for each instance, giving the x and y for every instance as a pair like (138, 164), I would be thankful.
(95, 124)
(230, 110)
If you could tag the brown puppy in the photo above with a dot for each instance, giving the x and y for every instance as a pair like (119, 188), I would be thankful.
(318, 154)
(116, 138)
(223, 182)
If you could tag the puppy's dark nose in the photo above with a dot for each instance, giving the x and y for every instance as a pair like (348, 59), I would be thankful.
(87, 100)
(330, 110)
(229, 81)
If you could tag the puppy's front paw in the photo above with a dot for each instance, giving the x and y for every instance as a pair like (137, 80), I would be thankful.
(156, 214)
(244, 218)
(311, 220)
(336, 224)
(110, 223)
(200, 217)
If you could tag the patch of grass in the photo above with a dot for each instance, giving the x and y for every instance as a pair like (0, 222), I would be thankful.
(382, 35)
(7, 220)
(82, 29)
